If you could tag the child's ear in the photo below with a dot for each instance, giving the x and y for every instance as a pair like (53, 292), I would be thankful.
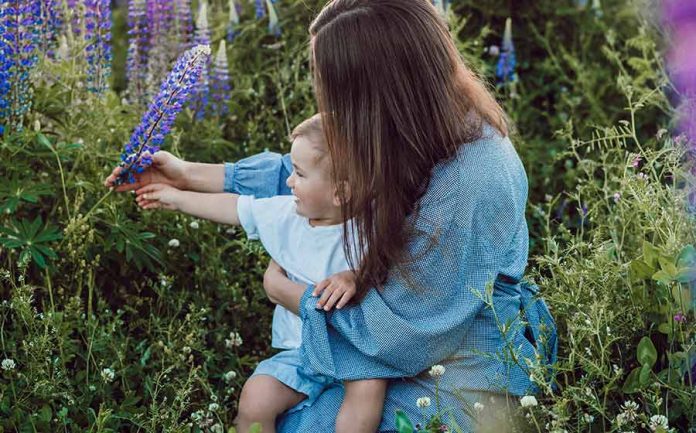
(341, 191)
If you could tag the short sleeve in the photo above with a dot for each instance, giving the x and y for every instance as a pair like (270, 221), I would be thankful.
(270, 220)
(246, 216)
(261, 175)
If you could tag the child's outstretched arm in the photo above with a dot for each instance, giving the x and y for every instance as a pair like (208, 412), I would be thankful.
(216, 207)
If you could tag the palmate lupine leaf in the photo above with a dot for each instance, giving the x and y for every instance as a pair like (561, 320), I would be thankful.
(32, 238)
(159, 117)
(15, 191)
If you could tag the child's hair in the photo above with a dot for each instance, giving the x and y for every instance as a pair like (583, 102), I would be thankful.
(312, 129)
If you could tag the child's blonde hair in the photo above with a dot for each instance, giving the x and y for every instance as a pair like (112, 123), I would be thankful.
(313, 130)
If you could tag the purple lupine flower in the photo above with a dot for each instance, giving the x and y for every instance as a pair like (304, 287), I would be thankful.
(260, 8)
(680, 317)
(138, 46)
(184, 23)
(273, 24)
(20, 24)
(202, 37)
(505, 69)
(220, 83)
(163, 49)
(52, 21)
(74, 9)
(160, 115)
(233, 21)
(98, 38)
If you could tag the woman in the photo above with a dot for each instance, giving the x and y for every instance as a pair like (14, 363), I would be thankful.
(437, 195)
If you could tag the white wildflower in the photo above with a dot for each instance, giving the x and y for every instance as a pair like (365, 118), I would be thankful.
(216, 428)
(588, 418)
(478, 407)
(423, 402)
(630, 410)
(108, 375)
(657, 421)
(174, 243)
(194, 225)
(229, 376)
(8, 364)
(528, 401)
(213, 407)
(235, 340)
(437, 370)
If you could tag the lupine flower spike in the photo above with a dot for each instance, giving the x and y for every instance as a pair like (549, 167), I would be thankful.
(159, 117)
(260, 9)
(98, 48)
(234, 21)
(20, 22)
(160, 17)
(220, 84)
(138, 43)
(184, 23)
(202, 37)
(273, 24)
(507, 62)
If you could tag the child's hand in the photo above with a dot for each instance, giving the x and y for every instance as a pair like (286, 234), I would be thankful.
(336, 290)
(159, 196)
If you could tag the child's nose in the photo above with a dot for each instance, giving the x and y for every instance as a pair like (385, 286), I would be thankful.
(290, 180)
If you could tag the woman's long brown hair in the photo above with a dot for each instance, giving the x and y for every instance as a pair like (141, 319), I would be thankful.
(396, 99)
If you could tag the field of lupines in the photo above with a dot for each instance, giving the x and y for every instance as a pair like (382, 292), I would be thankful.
(117, 319)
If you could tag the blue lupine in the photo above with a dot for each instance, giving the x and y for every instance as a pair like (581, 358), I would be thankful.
(52, 21)
(20, 24)
(184, 23)
(98, 38)
(157, 121)
(163, 47)
(260, 8)
(220, 83)
(138, 46)
(273, 24)
(233, 21)
(202, 37)
(505, 70)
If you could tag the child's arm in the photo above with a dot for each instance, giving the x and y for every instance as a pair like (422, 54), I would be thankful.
(336, 290)
(216, 207)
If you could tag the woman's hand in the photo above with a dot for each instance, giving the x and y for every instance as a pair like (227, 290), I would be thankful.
(336, 290)
(165, 169)
(159, 196)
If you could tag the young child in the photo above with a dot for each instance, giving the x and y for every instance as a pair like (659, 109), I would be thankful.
(303, 233)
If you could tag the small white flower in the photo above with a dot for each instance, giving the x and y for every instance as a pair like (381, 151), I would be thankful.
(194, 225)
(108, 375)
(423, 402)
(528, 401)
(437, 370)
(216, 428)
(588, 418)
(659, 421)
(174, 243)
(630, 410)
(617, 197)
(229, 376)
(212, 407)
(235, 340)
(478, 407)
(8, 364)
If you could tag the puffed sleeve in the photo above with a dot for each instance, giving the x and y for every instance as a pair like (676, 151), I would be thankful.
(261, 175)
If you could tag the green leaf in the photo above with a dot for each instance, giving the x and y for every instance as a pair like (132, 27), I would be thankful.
(146, 356)
(45, 414)
(662, 277)
(255, 428)
(667, 265)
(686, 274)
(631, 384)
(647, 354)
(641, 269)
(403, 424)
(650, 254)
(43, 140)
(681, 296)
(687, 257)
(644, 375)
(665, 328)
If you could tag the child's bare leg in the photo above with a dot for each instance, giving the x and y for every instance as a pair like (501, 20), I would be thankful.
(263, 399)
(361, 410)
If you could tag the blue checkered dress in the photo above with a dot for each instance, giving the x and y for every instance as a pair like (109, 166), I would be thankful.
(475, 210)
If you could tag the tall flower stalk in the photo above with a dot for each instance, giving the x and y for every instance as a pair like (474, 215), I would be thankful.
(138, 45)
(202, 37)
(233, 21)
(273, 23)
(220, 83)
(20, 22)
(157, 121)
(98, 49)
(507, 62)
(163, 49)
(184, 23)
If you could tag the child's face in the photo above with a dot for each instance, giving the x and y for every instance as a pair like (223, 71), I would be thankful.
(310, 181)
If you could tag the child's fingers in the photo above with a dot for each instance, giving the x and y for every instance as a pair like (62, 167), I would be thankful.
(325, 296)
(148, 188)
(319, 287)
(335, 296)
(344, 300)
